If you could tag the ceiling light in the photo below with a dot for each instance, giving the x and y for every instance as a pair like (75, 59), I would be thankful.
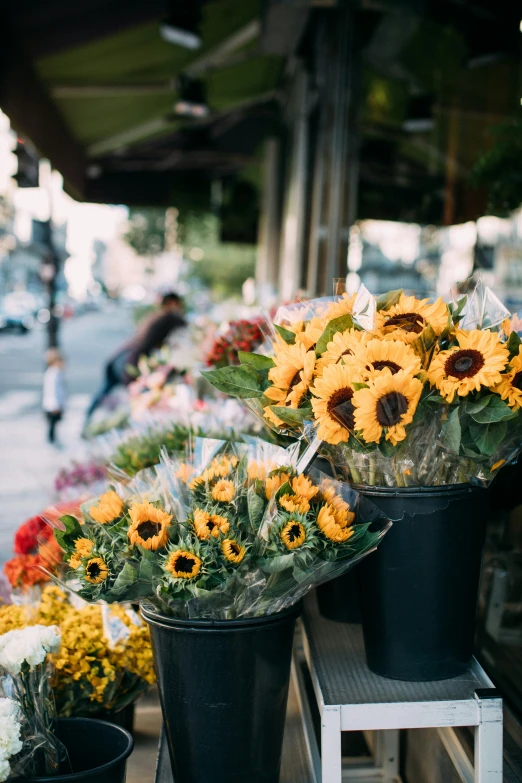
(192, 99)
(179, 36)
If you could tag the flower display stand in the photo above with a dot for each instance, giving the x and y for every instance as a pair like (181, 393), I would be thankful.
(349, 697)
(331, 682)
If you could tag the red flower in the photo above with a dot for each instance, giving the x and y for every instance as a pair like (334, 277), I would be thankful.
(22, 571)
(27, 535)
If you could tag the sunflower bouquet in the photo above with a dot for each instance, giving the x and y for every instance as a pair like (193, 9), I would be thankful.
(397, 391)
(227, 531)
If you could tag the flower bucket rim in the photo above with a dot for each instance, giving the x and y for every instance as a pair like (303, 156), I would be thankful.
(238, 624)
(74, 776)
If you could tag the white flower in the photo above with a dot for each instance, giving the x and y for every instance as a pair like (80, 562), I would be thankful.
(10, 728)
(5, 769)
(29, 645)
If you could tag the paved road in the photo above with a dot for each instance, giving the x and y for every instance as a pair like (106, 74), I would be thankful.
(27, 463)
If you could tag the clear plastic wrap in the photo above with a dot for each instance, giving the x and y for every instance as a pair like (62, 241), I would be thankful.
(26, 679)
(226, 530)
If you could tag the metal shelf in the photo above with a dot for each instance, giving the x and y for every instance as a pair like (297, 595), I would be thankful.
(351, 698)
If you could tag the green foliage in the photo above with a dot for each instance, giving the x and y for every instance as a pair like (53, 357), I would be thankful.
(387, 300)
(256, 361)
(340, 324)
(146, 232)
(286, 334)
(224, 267)
(243, 382)
(498, 170)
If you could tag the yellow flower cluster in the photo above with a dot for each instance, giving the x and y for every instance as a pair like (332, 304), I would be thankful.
(87, 671)
(370, 384)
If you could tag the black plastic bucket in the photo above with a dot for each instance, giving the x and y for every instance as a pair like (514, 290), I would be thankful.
(338, 599)
(419, 589)
(223, 687)
(98, 752)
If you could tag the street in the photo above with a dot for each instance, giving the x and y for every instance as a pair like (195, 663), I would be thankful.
(28, 464)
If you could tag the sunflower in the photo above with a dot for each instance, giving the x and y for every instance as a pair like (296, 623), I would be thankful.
(388, 404)
(343, 344)
(410, 316)
(184, 472)
(223, 466)
(275, 482)
(108, 508)
(259, 470)
(183, 564)
(150, 526)
(477, 361)
(378, 356)
(223, 491)
(330, 528)
(207, 525)
(232, 551)
(294, 504)
(272, 418)
(340, 508)
(96, 571)
(510, 387)
(292, 374)
(304, 487)
(332, 403)
(311, 332)
(343, 306)
(293, 534)
(82, 548)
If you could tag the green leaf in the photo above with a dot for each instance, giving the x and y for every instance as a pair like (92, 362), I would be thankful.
(256, 508)
(286, 334)
(425, 343)
(243, 382)
(340, 324)
(451, 432)
(274, 565)
(125, 579)
(387, 449)
(294, 417)
(513, 344)
(256, 360)
(495, 410)
(488, 437)
(358, 386)
(456, 311)
(385, 301)
(473, 406)
(436, 399)
(67, 537)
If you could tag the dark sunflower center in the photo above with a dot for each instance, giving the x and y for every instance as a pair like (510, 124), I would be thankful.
(294, 532)
(94, 570)
(409, 322)
(390, 365)
(517, 381)
(341, 409)
(148, 529)
(234, 548)
(211, 525)
(295, 380)
(184, 564)
(391, 408)
(464, 364)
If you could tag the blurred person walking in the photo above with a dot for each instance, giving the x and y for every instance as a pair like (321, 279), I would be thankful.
(54, 391)
(150, 336)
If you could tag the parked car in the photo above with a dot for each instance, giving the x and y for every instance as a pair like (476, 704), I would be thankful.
(17, 311)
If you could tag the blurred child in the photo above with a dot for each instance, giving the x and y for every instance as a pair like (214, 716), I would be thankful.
(53, 401)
